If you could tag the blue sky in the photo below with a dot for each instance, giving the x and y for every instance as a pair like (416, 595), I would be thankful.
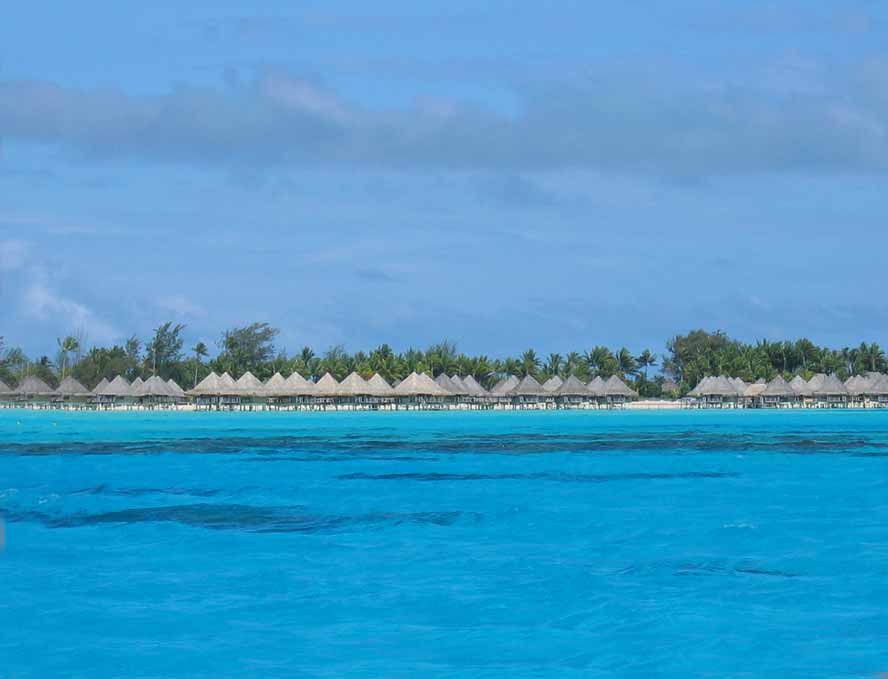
(502, 174)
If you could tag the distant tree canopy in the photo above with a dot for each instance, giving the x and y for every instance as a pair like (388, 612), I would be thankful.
(687, 360)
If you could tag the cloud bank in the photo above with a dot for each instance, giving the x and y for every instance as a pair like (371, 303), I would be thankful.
(654, 121)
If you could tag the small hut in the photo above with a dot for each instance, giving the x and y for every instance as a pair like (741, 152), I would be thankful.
(778, 394)
(6, 393)
(354, 391)
(326, 390)
(177, 391)
(33, 389)
(617, 392)
(381, 390)
(250, 391)
(100, 387)
(572, 393)
(800, 386)
(529, 392)
(447, 384)
(828, 391)
(420, 390)
(72, 392)
(153, 392)
(670, 388)
(504, 386)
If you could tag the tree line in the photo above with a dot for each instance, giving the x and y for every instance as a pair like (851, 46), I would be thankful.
(688, 358)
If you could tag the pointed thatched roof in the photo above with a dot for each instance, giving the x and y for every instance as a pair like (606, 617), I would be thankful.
(778, 387)
(354, 385)
(596, 386)
(250, 386)
(227, 386)
(718, 386)
(473, 387)
(72, 388)
(858, 385)
(755, 389)
(457, 382)
(800, 386)
(117, 387)
(816, 382)
(420, 384)
(175, 389)
(34, 386)
(134, 387)
(153, 386)
(553, 384)
(698, 390)
(297, 385)
(739, 384)
(504, 386)
(100, 387)
(276, 385)
(572, 387)
(830, 386)
(4, 388)
(327, 386)
(878, 386)
(446, 384)
(208, 386)
(617, 387)
(529, 387)
(379, 387)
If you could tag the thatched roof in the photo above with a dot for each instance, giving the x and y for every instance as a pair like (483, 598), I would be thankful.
(858, 385)
(739, 384)
(457, 382)
(249, 385)
(698, 390)
(117, 387)
(830, 386)
(34, 386)
(504, 386)
(553, 384)
(670, 386)
(297, 385)
(100, 387)
(472, 386)
(572, 387)
(208, 386)
(4, 388)
(778, 387)
(879, 386)
(718, 386)
(326, 386)
(72, 388)
(379, 386)
(816, 382)
(419, 384)
(227, 385)
(529, 387)
(175, 389)
(153, 386)
(354, 385)
(755, 389)
(617, 387)
(447, 384)
(800, 386)
(276, 385)
(596, 386)
(134, 387)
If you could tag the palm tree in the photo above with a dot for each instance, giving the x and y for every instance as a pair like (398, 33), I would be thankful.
(553, 365)
(66, 347)
(530, 364)
(647, 359)
(200, 351)
(626, 362)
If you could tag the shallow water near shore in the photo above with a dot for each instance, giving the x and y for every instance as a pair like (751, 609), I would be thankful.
(454, 544)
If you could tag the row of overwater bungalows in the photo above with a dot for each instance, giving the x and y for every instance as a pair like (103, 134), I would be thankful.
(416, 391)
(821, 391)
(34, 392)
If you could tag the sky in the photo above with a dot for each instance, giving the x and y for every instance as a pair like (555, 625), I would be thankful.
(500, 174)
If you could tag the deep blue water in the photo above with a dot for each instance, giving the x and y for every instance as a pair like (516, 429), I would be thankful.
(677, 544)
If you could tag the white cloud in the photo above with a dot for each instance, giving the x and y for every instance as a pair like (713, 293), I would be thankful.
(43, 303)
(181, 306)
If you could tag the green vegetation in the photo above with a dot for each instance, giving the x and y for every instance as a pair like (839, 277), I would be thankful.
(687, 360)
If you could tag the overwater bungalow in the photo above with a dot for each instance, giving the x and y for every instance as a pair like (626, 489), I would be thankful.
(617, 392)
(597, 391)
(34, 391)
(801, 388)
(828, 391)
(529, 393)
(250, 391)
(355, 392)
(572, 393)
(878, 391)
(6, 394)
(72, 393)
(154, 393)
(100, 387)
(177, 391)
(382, 391)
(418, 390)
(778, 394)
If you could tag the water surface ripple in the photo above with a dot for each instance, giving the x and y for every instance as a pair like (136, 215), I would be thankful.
(675, 544)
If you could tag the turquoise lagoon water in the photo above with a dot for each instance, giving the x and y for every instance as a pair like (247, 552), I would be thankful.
(609, 544)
